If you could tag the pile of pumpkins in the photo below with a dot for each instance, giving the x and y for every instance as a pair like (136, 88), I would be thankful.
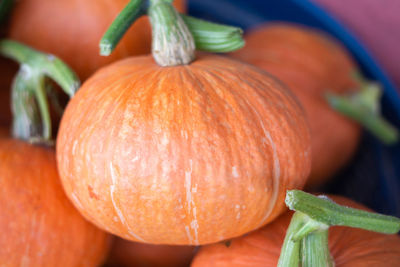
(173, 161)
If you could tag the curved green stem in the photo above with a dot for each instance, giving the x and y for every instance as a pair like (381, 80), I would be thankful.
(175, 36)
(307, 235)
(212, 37)
(133, 10)
(364, 108)
(31, 85)
(328, 212)
(48, 64)
(290, 252)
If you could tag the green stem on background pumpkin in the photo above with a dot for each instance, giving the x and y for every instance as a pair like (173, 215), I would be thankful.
(133, 10)
(364, 108)
(29, 89)
(290, 252)
(5, 7)
(27, 124)
(208, 36)
(310, 224)
(328, 212)
(315, 250)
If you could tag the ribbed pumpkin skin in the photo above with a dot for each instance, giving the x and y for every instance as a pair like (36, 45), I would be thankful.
(182, 155)
(311, 64)
(72, 29)
(128, 254)
(40, 227)
(349, 247)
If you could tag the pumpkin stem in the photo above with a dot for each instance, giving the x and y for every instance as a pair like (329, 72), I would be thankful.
(290, 252)
(175, 36)
(324, 210)
(173, 43)
(133, 10)
(213, 37)
(30, 89)
(307, 234)
(364, 108)
(315, 250)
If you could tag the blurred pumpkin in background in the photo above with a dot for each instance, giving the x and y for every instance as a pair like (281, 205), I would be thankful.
(311, 64)
(72, 30)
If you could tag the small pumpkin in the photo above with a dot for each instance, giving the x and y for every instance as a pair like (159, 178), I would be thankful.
(311, 64)
(40, 226)
(72, 30)
(349, 247)
(184, 155)
(125, 253)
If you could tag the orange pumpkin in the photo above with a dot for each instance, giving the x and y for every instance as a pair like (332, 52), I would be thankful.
(311, 64)
(40, 227)
(349, 247)
(72, 30)
(127, 254)
(182, 155)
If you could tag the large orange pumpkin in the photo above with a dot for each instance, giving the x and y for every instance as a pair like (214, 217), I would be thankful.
(40, 227)
(311, 64)
(349, 247)
(190, 154)
(72, 30)
(129, 254)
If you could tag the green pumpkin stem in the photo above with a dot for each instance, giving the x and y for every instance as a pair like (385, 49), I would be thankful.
(133, 10)
(290, 252)
(363, 107)
(315, 250)
(30, 89)
(175, 36)
(307, 236)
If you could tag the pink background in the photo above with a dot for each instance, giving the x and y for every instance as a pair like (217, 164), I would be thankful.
(377, 24)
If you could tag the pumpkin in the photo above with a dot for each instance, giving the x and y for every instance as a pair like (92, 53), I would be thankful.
(349, 247)
(311, 64)
(40, 226)
(182, 155)
(72, 30)
(127, 254)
